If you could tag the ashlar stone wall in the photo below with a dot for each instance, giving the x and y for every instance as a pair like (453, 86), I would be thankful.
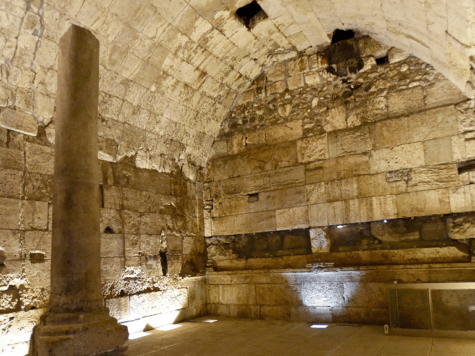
(313, 144)
(152, 245)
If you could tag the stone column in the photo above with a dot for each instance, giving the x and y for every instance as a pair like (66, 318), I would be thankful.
(77, 323)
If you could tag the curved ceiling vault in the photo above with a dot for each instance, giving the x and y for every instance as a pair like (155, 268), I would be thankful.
(171, 69)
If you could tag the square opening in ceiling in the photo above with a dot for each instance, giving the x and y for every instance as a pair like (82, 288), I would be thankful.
(251, 14)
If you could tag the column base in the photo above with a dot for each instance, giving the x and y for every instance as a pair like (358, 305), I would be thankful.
(78, 334)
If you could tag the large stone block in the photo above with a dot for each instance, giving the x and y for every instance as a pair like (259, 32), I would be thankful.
(322, 294)
(112, 245)
(255, 222)
(11, 182)
(312, 149)
(160, 302)
(343, 143)
(316, 193)
(39, 159)
(405, 101)
(365, 112)
(111, 221)
(292, 218)
(424, 203)
(438, 151)
(10, 244)
(317, 214)
(38, 186)
(319, 240)
(430, 124)
(377, 184)
(9, 213)
(390, 159)
(289, 131)
(433, 177)
(342, 167)
(335, 119)
(442, 92)
(237, 294)
(18, 121)
(384, 207)
(38, 241)
(461, 228)
(277, 294)
(311, 314)
(34, 215)
(460, 199)
(11, 158)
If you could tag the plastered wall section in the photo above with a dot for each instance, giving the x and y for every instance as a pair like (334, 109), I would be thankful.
(306, 148)
(151, 237)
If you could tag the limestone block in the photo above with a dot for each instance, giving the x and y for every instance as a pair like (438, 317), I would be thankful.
(156, 223)
(111, 221)
(316, 193)
(285, 198)
(390, 133)
(118, 308)
(359, 210)
(255, 222)
(342, 143)
(390, 159)
(368, 111)
(432, 124)
(433, 177)
(297, 65)
(442, 92)
(38, 241)
(394, 231)
(319, 241)
(213, 294)
(377, 184)
(286, 132)
(38, 186)
(112, 245)
(150, 245)
(312, 149)
(295, 82)
(34, 215)
(131, 245)
(373, 295)
(11, 182)
(277, 294)
(317, 214)
(438, 151)
(461, 228)
(466, 116)
(384, 207)
(345, 167)
(275, 312)
(38, 274)
(322, 294)
(10, 244)
(276, 72)
(236, 144)
(18, 121)
(337, 213)
(9, 213)
(292, 218)
(333, 190)
(396, 55)
(10, 158)
(174, 244)
(244, 311)
(237, 294)
(460, 199)
(335, 119)
(424, 203)
(272, 180)
(112, 268)
(405, 101)
(131, 221)
(218, 309)
(312, 79)
(158, 302)
(39, 159)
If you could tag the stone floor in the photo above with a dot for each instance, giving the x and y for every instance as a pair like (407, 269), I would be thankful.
(244, 337)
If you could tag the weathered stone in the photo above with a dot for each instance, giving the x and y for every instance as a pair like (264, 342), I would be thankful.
(342, 143)
(405, 101)
(461, 228)
(237, 294)
(11, 158)
(424, 203)
(335, 119)
(390, 159)
(438, 151)
(322, 294)
(320, 241)
(312, 149)
(292, 218)
(277, 294)
(287, 132)
(39, 159)
(18, 121)
(433, 177)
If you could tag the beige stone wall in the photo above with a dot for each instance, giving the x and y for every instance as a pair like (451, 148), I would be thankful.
(331, 295)
(149, 221)
(324, 149)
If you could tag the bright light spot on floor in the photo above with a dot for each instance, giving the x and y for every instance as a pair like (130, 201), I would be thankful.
(209, 321)
(169, 327)
(138, 335)
(385, 221)
(339, 226)
(319, 326)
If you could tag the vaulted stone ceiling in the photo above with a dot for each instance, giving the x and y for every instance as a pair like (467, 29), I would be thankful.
(171, 69)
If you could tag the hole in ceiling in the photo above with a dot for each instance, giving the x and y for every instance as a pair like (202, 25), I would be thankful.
(342, 35)
(251, 14)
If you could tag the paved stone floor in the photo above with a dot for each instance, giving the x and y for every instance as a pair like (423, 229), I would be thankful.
(244, 337)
